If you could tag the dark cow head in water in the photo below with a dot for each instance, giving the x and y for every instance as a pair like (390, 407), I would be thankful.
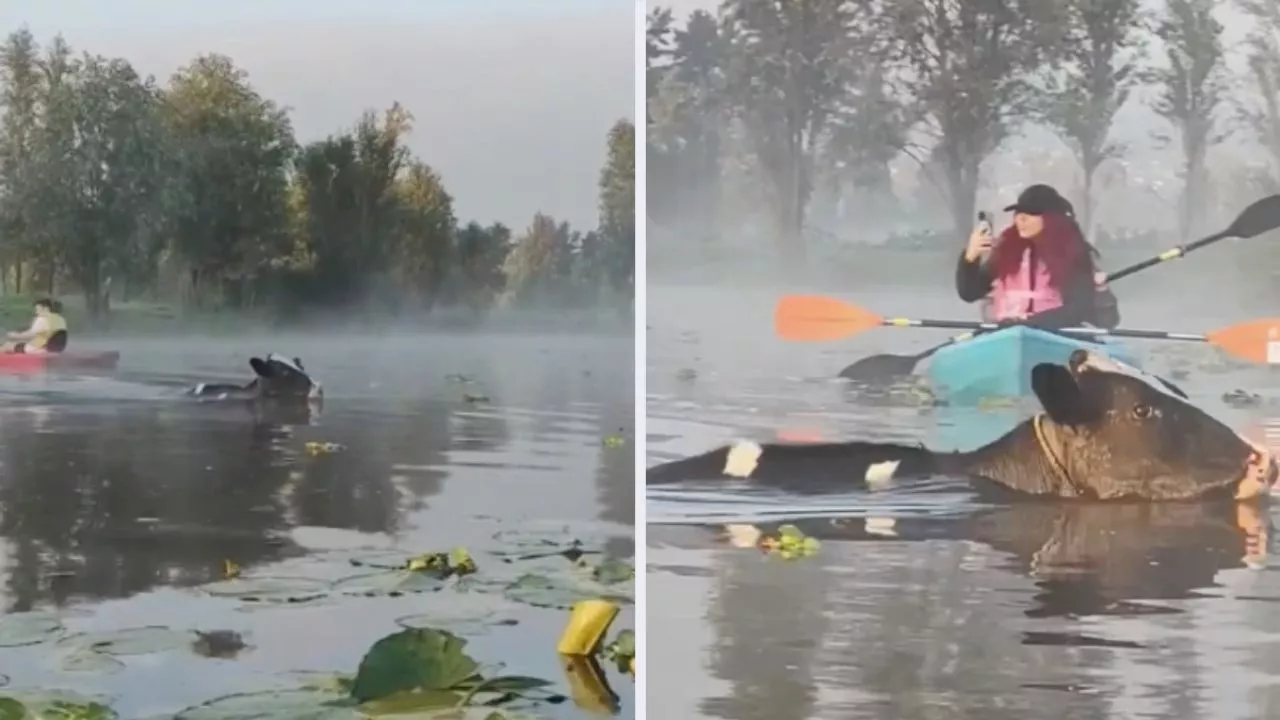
(278, 378)
(1107, 432)
(1112, 431)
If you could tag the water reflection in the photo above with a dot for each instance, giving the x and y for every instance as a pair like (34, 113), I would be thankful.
(107, 502)
(932, 625)
(1034, 610)
(106, 497)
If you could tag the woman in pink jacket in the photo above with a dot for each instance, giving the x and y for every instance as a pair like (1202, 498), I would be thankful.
(1040, 270)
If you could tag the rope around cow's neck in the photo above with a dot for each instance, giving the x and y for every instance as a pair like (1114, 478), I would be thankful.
(1059, 468)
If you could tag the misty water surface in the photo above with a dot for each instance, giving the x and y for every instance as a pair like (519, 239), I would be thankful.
(940, 608)
(117, 498)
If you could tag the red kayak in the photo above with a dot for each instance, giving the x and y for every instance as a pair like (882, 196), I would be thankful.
(22, 362)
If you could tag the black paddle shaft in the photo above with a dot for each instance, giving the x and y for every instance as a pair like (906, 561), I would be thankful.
(1176, 252)
(1260, 217)
(1077, 333)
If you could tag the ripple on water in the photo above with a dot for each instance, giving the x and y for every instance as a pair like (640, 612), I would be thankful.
(922, 603)
(134, 504)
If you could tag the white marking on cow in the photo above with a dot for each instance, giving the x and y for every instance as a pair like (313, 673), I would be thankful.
(742, 459)
(880, 474)
(200, 389)
(275, 357)
(742, 535)
(882, 526)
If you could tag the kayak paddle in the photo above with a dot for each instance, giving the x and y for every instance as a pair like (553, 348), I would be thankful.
(1260, 217)
(815, 317)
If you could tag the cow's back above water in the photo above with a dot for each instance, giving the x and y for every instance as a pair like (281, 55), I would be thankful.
(1106, 432)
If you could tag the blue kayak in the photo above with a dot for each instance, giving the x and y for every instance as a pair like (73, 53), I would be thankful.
(998, 364)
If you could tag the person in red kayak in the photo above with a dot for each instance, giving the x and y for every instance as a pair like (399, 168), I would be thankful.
(40, 337)
(1040, 270)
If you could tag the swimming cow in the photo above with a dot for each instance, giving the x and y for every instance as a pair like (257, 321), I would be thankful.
(1106, 433)
(277, 378)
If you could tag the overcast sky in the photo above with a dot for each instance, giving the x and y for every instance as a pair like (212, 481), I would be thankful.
(513, 98)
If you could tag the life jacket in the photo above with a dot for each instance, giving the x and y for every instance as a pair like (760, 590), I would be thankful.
(1029, 290)
(53, 323)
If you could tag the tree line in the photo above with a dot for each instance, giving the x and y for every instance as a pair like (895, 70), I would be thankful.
(781, 102)
(113, 185)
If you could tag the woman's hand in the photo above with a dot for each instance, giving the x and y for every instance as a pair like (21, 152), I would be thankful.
(979, 244)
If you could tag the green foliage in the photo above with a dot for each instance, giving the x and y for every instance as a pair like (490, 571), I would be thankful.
(235, 152)
(1262, 116)
(424, 668)
(616, 259)
(1103, 44)
(199, 191)
(413, 659)
(1192, 89)
(54, 709)
(767, 115)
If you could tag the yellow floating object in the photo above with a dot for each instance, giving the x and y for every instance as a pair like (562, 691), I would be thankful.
(588, 622)
(588, 687)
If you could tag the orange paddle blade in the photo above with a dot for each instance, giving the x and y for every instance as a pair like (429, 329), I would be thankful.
(1256, 341)
(817, 318)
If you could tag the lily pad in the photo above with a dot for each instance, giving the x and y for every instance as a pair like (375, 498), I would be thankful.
(548, 538)
(382, 560)
(413, 660)
(436, 706)
(269, 589)
(612, 571)
(293, 704)
(465, 616)
(132, 641)
(393, 582)
(53, 705)
(90, 661)
(218, 643)
(560, 591)
(28, 628)
(336, 683)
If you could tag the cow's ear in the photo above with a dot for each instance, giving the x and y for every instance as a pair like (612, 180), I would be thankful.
(261, 367)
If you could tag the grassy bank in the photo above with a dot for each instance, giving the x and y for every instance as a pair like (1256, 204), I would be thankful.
(142, 319)
(129, 318)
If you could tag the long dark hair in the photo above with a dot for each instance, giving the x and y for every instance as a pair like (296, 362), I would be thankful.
(1069, 211)
(1061, 251)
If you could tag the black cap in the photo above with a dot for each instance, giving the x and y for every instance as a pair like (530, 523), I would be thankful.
(1039, 200)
